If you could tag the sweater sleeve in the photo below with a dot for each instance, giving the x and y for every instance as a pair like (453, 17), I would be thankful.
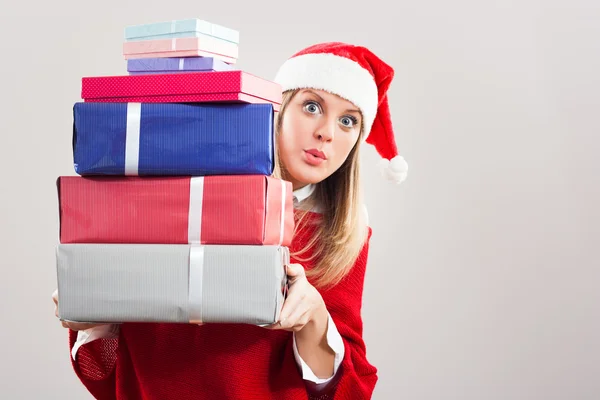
(94, 365)
(356, 378)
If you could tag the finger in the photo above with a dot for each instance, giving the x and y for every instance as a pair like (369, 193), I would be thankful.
(295, 272)
(78, 326)
(83, 326)
(55, 299)
(294, 300)
(298, 318)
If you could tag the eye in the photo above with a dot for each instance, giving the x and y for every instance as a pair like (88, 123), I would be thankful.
(349, 121)
(311, 107)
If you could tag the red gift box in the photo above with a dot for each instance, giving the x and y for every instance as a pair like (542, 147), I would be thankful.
(230, 209)
(208, 86)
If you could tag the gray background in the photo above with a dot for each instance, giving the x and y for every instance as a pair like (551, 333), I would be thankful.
(483, 275)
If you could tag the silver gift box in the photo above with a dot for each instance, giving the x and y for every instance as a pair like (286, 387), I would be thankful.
(171, 283)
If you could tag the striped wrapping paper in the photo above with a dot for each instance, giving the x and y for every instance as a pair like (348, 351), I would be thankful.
(252, 210)
(171, 283)
(173, 139)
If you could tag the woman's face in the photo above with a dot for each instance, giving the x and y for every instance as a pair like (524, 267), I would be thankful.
(318, 131)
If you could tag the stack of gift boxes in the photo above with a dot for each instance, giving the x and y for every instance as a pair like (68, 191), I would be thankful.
(174, 216)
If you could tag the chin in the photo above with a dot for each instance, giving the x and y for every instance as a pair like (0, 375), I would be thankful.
(308, 175)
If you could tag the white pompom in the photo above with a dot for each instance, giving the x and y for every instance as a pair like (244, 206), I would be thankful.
(395, 170)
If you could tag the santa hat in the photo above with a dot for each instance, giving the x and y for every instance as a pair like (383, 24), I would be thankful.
(359, 76)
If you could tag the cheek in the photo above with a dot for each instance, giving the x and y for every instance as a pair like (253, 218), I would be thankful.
(293, 129)
(285, 147)
(342, 149)
(291, 126)
(287, 142)
(286, 137)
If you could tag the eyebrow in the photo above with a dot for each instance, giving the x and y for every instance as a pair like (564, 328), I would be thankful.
(323, 100)
(314, 94)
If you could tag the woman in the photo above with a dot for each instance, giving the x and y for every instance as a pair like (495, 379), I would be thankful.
(334, 99)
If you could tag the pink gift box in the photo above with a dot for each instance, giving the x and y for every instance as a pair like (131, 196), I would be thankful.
(227, 209)
(182, 47)
(222, 86)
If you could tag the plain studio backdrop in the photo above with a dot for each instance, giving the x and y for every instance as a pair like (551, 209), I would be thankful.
(483, 278)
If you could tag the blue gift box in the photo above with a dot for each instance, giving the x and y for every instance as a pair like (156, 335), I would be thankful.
(139, 66)
(193, 139)
(192, 27)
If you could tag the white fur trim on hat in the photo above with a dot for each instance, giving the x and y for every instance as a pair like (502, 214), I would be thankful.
(395, 169)
(334, 74)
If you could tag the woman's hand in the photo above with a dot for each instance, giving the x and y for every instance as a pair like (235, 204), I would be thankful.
(76, 326)
(303, 304)
(304, 312)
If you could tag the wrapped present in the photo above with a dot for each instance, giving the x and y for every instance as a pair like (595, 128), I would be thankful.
(192, 27)
(173, 139)
(223, 86)
(182, 54)
(183, 47)
(111, 283)
(177, 64)
(252, 210)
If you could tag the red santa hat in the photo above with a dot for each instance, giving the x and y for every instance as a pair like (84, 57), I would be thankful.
(359, 76)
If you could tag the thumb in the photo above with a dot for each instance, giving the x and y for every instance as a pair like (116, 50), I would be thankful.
(55, 299)
(295, 271)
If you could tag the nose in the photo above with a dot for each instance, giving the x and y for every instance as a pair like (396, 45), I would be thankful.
(325, 131)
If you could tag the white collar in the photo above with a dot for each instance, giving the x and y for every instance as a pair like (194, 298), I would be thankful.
(302, 194)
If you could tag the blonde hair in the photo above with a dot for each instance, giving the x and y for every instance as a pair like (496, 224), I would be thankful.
(339, 238)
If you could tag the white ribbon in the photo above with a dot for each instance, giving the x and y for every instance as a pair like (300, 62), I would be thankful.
(181, 63)
(195, 209)
(282, 217)
(173, 22)
(196, 269)
(132, 138)
(173, 43)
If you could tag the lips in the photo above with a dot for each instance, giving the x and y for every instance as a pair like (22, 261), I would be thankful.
(317, 153)
(314, 157)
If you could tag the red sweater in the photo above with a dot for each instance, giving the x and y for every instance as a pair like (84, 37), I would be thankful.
(227, 361)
